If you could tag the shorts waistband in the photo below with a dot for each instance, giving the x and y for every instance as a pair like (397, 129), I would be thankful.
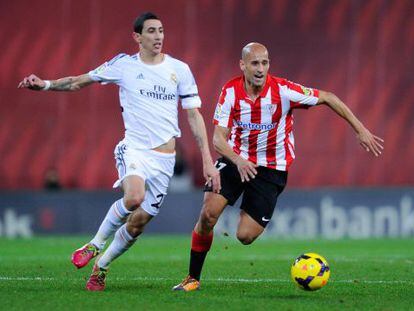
(162, 154)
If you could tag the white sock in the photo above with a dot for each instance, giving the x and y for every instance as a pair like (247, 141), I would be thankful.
(114, 219)
(121, 243)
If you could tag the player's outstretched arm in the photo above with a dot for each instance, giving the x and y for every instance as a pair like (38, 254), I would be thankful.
(368, 141)
(246, 168)
(198, 127)
(75, 83)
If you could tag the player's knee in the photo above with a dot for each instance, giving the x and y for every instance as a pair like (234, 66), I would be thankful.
(133, 201)
(245, 238)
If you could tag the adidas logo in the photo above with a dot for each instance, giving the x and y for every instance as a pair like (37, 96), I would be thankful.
(140, 76)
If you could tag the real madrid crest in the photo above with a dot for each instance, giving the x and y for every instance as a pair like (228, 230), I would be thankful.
(173, 78)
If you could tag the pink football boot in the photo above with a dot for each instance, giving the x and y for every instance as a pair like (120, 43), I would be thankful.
(96, 281)
(82, 256)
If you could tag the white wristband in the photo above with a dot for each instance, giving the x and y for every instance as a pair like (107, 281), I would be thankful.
(47, 85)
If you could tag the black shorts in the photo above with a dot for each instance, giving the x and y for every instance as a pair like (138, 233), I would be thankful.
(259, 194)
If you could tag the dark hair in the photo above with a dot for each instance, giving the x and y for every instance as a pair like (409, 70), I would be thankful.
(139, 22)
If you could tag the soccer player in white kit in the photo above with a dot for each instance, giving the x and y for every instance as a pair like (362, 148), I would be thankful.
(151, 84)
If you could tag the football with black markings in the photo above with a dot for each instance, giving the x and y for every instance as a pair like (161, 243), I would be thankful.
(310, 271)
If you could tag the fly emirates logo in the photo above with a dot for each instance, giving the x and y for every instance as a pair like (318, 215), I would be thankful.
(158, 92)
(257, 126)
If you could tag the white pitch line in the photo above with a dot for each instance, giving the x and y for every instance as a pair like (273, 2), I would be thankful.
(19, 278)
(176, 258)
(221, 280)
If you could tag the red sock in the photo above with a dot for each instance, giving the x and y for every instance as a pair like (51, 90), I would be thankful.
(201, 243)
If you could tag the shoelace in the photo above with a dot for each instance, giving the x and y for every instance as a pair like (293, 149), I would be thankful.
(88, 250)
(186, 280)
(100, 277)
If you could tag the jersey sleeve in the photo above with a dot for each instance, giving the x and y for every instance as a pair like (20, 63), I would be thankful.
(108, 72)
(223, 115)
(187, 89)
(299, 95)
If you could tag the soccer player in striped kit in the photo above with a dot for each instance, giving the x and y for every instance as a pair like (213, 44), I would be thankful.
(151, 84)
(253, 134)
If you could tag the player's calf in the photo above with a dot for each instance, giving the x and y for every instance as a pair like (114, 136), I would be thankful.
(206, 222)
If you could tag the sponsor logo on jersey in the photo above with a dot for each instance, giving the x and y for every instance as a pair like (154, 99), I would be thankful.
(140, 76)
(256, 126)
(158, 92)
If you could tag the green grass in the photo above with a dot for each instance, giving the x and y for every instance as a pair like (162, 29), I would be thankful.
(36, 274)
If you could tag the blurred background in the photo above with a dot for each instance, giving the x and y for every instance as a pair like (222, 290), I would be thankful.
(56, 149)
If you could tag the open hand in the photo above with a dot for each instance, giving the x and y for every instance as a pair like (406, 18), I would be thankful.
(246, 169)
(212, 176)
(370, 142)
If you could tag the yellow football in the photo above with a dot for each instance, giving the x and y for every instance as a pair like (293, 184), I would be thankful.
(310, 271)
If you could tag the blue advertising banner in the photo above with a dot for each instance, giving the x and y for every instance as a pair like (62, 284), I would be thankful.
(327, 213)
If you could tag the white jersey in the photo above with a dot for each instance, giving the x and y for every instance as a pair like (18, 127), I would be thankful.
(149, 96)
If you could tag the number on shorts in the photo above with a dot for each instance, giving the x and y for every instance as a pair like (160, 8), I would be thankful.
(220, 165)
(157, 205)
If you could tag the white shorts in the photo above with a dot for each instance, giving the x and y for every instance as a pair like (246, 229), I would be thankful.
(155, 168)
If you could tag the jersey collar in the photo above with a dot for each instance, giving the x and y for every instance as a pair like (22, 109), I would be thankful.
(151, 65)
(262, 94)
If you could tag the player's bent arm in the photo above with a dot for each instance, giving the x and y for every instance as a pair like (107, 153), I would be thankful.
(246, 168)
(72, 83)
(198, 127)
(370, 142)
(220, 143)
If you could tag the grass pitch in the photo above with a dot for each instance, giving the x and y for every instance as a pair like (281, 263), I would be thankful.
(36, 274)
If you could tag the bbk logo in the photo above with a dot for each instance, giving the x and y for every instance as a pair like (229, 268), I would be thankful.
(13, 225)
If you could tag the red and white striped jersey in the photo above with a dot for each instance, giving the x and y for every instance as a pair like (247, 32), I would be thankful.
(261, 131)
